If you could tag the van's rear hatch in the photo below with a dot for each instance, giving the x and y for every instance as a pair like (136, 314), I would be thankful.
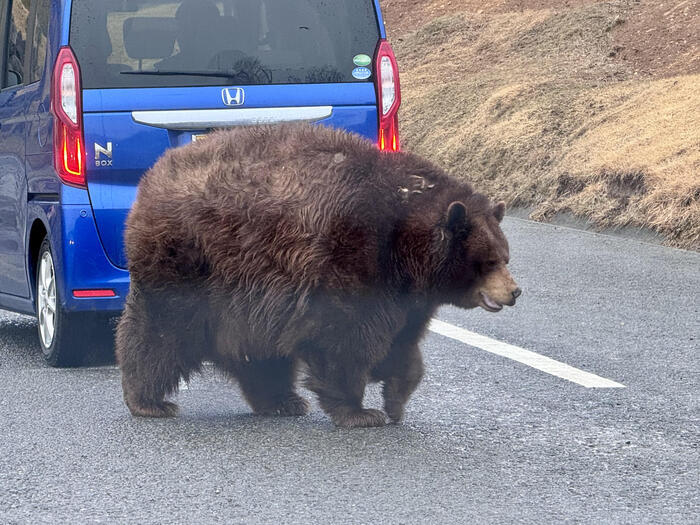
(156, 74)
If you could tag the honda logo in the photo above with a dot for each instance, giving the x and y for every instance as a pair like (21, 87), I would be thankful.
(233, 96)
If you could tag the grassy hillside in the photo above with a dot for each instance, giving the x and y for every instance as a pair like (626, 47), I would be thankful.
(560, 106)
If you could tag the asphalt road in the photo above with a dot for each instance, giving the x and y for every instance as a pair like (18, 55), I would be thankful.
(486, 439)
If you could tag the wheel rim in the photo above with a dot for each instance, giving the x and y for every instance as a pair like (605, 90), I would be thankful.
(46, 300)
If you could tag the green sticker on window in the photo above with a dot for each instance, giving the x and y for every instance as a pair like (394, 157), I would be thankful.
(362, 60)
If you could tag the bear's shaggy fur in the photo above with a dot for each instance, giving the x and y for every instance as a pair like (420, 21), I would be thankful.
(266, 248)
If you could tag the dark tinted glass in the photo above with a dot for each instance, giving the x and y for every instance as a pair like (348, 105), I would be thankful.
(17, 42)
(40, 40)
(136, 43)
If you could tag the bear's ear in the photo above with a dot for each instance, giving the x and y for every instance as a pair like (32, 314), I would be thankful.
(499, 210)
(456, 216)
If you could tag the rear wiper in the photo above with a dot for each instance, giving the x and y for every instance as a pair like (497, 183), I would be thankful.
(220, 74)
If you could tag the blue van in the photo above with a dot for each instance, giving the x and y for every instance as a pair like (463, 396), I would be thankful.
(92, 92)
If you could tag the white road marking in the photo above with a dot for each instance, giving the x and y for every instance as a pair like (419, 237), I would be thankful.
(526, 357)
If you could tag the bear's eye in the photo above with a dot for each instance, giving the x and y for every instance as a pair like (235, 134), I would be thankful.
(490, 265)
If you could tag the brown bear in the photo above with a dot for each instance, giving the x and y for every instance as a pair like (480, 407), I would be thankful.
(266, 249)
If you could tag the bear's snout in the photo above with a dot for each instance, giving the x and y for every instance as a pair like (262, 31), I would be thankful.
(498, 289)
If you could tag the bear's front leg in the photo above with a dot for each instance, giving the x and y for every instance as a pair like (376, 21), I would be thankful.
(339, 381)
(401, 373)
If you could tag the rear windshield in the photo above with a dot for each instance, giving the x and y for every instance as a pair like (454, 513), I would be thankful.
(153, 43)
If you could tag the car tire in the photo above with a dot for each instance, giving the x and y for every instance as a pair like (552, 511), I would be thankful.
(66, 338)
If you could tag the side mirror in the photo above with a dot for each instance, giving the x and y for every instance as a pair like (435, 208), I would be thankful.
(13, 78)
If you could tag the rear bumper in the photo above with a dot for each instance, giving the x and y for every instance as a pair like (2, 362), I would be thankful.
(81, 263)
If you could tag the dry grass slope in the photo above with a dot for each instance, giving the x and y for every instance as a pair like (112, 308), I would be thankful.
(535, 106)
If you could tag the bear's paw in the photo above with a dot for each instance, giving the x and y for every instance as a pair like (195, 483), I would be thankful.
(361, 418)
(162, 409)
(293, 405)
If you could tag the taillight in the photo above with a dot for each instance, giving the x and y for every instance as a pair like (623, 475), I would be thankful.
(68, 140)
(388, 95)
(89, 294)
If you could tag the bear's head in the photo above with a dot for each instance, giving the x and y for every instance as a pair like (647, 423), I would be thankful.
(475, 256)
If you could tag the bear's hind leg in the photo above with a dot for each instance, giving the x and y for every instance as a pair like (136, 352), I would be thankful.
(151, 353)
(268, 386)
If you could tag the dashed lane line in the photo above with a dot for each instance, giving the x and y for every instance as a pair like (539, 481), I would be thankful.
(526, 357)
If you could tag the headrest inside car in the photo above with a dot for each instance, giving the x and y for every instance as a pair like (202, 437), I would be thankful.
(149, 37)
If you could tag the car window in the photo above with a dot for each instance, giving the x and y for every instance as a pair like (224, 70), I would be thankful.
(144, 43)
(39, 40)
(16, 42)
